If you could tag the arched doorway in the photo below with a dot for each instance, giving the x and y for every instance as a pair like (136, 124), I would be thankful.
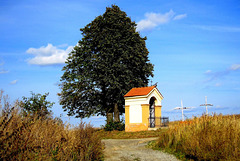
(152, 112)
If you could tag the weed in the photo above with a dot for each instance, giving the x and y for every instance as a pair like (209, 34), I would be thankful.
(137, 159)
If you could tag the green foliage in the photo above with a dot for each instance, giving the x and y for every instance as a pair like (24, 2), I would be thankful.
(115, 125)
(108, 61)
(36, 104)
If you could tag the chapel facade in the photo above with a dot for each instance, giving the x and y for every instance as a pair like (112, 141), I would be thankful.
(143, 109)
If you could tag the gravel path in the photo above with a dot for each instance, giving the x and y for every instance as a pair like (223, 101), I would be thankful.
(133, 150)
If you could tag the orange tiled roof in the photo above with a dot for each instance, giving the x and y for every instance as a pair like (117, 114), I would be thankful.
(141, 91)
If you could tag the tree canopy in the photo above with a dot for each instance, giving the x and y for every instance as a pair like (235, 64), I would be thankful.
(109, 60)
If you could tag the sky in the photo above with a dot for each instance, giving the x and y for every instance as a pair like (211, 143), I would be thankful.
(194, 46)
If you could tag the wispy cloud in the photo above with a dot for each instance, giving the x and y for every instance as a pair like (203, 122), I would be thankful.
(218, 28)
(48, 55)
(215, 75)
(98, 118)
(220, 107)
(153, 20)
(218, 84)
(14, 82)
(179, 17)
(219, 74)
(2, 70)
(235, 67)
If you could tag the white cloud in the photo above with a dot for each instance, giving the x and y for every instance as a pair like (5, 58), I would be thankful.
(218, 28)
(98, 118)
(235, 67)
(2, 71)
(220, 107)
(48, 55)
(179, 17)
(14, 82)
(208, 72)
(218, 84)
(219, 74)
(153, 20)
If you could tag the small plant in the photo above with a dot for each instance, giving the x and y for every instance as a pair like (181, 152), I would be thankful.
(137, 159)
(115, 125)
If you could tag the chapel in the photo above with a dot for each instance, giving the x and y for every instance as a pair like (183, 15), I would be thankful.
(143, 109)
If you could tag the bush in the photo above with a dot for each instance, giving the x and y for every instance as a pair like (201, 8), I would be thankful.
(37, 104)
(115, 125)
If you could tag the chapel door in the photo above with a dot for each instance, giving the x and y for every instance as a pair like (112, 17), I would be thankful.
(152, 114)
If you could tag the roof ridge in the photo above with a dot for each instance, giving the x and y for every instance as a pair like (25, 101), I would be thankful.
(139, 91)
(144, 87)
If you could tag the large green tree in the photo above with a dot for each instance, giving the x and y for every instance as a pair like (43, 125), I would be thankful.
(109, 60)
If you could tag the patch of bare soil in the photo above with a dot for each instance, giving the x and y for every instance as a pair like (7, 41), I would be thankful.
(133, 150)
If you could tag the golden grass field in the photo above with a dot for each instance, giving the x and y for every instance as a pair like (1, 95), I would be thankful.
(31, 138)
(214, 137)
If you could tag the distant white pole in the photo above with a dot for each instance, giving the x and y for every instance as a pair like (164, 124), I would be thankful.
(206, 104)
(182, 111)
(182, 108)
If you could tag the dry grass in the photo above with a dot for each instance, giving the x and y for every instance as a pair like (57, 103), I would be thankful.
(214, 137)
(31, 138)
(128, 135)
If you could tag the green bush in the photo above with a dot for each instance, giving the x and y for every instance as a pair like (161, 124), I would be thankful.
(115, 125)
(37, 104)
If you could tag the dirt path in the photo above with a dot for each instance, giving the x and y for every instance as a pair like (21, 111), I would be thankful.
(133, 150)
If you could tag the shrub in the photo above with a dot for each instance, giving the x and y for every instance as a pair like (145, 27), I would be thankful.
(115, 125)
(37, 104)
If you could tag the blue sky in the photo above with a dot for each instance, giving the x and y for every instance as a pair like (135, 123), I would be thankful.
(194, 46)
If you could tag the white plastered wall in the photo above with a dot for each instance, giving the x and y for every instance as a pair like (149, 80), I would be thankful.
(135, 114)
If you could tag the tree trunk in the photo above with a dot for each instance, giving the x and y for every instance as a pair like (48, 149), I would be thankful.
(109, 117)
(116, 113)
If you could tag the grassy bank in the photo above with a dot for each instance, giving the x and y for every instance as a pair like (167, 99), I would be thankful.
(32, 138)
(128, 135)
(205, 138)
